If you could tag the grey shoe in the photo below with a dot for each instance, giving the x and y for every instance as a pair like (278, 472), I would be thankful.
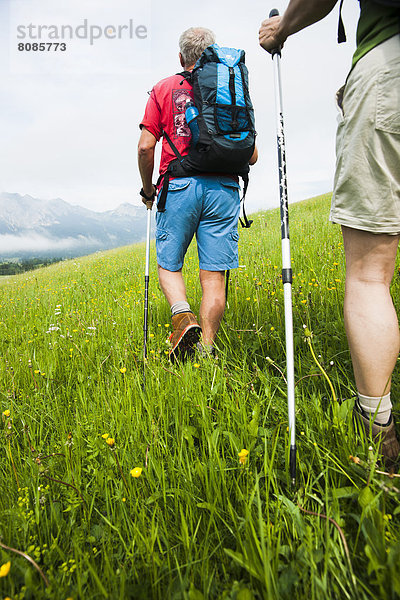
(204, 352)
(384, 435)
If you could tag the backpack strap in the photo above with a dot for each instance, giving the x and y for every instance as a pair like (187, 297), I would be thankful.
(164, 190)
(341, 34)
(245, 223)
(187, 76)
(173, 147)
(165, 177)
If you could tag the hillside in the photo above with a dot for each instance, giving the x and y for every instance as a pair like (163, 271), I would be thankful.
(122, 492)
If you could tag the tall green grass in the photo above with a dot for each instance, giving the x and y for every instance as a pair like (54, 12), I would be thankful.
(195, 523)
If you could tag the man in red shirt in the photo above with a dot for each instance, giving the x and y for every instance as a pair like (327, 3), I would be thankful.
(206, 205)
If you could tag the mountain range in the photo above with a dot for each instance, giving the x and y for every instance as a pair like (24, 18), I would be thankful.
(30, 227)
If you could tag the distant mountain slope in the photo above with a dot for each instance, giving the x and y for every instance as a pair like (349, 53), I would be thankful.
(31, 227)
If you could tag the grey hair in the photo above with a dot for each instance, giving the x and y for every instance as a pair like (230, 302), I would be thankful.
(192, 43)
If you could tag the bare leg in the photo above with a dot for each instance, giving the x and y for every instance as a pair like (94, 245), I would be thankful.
(172, 285)
(370, 317)
(212, 304)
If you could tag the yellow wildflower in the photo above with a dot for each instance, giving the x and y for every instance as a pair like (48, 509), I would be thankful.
(5, 569)
(105, 436)
(123, 370)
(110, 441)
(7, 413)
(136, 472)
(243, 456)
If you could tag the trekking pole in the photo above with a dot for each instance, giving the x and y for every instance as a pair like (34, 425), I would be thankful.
(146, 292)
(286, 261)
(227, 273)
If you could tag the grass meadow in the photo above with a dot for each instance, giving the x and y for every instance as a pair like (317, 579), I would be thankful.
(109, 490)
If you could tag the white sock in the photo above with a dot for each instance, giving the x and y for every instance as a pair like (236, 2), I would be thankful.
(180, 307)
(380, 407)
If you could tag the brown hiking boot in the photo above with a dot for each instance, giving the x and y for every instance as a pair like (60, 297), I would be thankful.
(185, 335)
(384, 435)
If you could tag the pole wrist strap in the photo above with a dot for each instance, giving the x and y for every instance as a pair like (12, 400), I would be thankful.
(151, 197)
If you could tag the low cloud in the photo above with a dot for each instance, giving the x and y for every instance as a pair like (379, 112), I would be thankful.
(10, 244)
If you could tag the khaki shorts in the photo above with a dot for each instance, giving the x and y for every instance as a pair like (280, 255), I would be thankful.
(367, 180)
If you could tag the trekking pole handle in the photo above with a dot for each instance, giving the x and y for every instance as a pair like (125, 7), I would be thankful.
(275, 13)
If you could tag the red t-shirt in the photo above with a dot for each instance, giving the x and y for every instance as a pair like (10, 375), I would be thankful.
(165, 111)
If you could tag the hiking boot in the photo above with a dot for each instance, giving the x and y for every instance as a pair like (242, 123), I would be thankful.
(384, 435)
(185, 335)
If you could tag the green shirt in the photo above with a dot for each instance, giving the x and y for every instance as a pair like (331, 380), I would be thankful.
(377, 23)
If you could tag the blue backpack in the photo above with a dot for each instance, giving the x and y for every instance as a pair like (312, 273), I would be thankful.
(226, 127)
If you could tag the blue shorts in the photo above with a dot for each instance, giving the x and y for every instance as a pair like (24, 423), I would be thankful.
(207, 206)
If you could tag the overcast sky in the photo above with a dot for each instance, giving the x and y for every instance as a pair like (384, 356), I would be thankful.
(69, 120)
